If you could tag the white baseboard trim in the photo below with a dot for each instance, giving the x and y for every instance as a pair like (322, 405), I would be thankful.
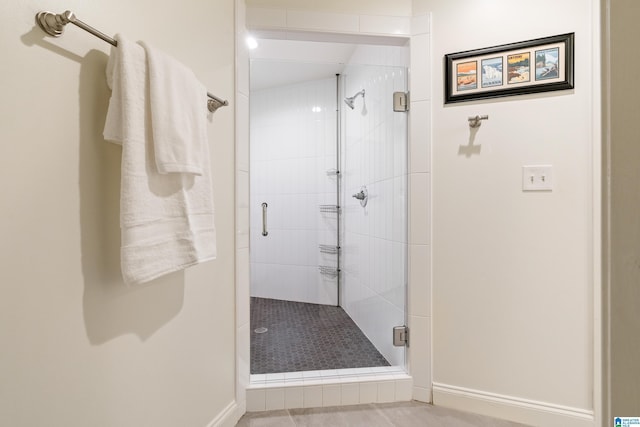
(228, 417)
(422, 394)
(511, 408)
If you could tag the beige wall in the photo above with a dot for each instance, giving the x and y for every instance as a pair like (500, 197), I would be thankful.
(78, 347)
(624, 205)
(515, 275)
(513, 272)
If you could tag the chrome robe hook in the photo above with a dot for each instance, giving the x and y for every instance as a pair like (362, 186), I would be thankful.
(475, 122)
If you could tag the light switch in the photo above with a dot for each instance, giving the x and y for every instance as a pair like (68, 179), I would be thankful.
(537, 178)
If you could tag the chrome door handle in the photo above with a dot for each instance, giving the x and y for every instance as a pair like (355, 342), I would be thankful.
(264, 219)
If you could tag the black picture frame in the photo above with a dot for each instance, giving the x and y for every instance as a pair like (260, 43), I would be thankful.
(506, 70)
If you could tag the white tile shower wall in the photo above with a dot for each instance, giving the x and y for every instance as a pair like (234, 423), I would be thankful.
(419, 357)
(293, 145)
(375, 156)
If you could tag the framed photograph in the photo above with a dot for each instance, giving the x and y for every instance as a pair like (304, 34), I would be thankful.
(532, 66)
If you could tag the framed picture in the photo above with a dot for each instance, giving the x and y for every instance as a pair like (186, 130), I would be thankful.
(532, 66)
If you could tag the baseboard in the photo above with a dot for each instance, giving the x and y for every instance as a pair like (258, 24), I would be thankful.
(422, 394)
(229, 416)
(511, 408)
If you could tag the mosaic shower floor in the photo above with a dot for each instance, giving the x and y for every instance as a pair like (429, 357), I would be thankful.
(306, 337)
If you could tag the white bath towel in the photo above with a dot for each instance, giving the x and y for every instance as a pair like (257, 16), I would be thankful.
(178, 114)
(166, 220)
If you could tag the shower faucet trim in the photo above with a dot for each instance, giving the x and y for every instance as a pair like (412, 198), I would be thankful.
(350, 100)
(363, 196)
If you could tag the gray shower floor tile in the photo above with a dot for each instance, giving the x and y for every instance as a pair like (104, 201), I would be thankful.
(307, 337)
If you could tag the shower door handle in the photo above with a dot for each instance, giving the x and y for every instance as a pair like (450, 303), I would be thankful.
(264, 219)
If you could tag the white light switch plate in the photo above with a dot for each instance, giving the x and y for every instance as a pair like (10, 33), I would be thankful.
(537, 178)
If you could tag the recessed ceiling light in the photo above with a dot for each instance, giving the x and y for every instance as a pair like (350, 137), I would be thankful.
(252, 43)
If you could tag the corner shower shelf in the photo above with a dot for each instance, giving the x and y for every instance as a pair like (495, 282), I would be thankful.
(328, 271)
(329, 249)
(329, 208)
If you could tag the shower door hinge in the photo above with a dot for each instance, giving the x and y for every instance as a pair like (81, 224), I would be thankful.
(400, 336)
(400, 101)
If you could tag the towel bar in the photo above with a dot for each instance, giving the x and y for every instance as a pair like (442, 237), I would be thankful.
(53, 24)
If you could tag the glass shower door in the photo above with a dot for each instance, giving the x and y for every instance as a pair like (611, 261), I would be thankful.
(374, 243)
(293, 193)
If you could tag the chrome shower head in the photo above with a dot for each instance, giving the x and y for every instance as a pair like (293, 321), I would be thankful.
(350, 100)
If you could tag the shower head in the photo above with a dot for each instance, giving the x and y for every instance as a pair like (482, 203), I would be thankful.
(349, 101)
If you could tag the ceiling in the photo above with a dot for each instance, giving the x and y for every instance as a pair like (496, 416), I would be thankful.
(282, 62)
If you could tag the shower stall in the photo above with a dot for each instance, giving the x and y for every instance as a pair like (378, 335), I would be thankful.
(328, 208)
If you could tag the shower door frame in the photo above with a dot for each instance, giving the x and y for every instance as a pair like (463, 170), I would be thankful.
(342, 201)
(419, 354)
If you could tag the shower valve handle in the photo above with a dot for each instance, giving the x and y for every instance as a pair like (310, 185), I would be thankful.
(363, 196)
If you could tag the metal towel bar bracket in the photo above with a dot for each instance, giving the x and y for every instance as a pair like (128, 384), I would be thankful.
(53, 24)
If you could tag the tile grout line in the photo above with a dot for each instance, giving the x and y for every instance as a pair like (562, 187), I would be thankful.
(379, 410)
(291, 417)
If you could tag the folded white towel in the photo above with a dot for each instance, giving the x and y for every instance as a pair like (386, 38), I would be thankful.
(178, 114)
(166, 220)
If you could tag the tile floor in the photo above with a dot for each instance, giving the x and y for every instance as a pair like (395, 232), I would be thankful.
(306, 337)
(401, 414)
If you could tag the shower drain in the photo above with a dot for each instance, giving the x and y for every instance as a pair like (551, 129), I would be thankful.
(260, 330)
